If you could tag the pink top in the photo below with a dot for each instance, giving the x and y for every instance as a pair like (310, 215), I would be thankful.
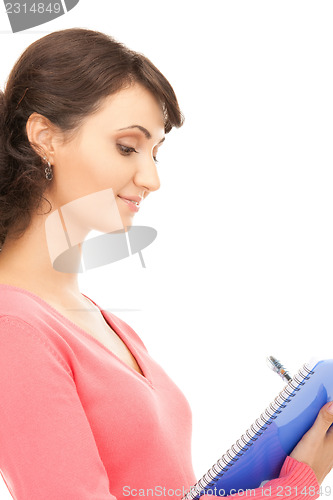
(77, 423)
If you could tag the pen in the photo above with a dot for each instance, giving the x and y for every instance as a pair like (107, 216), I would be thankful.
(277, 367)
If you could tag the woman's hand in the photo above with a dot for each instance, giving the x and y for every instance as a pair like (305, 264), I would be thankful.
(316, 446)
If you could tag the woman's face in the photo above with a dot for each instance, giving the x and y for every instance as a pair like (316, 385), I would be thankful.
(112, 157)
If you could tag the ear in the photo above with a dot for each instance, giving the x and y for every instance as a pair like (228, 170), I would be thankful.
(41, 134)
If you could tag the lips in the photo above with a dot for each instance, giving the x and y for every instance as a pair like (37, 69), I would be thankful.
(135, 199)
(132, 204)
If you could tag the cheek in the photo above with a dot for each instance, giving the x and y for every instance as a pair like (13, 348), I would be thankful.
(89, 176)
(85, 172)
(101, 168)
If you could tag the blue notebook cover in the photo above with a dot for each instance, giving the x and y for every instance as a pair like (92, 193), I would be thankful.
(260, 452)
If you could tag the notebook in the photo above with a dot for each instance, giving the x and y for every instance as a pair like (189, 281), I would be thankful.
(258, 455)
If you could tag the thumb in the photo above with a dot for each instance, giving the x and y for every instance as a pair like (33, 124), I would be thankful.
(324, 418)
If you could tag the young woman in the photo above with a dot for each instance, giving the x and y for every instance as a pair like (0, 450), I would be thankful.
(85, 412)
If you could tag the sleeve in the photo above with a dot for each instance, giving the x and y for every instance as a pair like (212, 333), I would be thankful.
(296, 480)
(47, 446)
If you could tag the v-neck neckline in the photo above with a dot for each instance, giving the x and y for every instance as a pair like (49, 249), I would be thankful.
(109, 321)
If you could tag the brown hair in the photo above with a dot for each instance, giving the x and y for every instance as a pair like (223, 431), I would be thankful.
(63, 76)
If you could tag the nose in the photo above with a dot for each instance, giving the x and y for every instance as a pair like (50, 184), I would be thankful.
(147, 176)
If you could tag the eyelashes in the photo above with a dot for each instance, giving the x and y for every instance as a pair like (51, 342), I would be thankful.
(127, 150)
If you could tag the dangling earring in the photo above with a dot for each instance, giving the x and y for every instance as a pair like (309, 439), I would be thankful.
(48, 171)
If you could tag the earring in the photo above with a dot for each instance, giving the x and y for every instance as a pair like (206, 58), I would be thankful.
(48, 171)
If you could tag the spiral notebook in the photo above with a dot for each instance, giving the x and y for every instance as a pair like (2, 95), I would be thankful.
(258, 455)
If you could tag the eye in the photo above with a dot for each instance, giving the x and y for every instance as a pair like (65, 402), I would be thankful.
(126, 150)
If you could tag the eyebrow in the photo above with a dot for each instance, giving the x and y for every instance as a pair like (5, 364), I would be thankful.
(143, 129)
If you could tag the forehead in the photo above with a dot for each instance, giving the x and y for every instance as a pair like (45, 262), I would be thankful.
(134, 104)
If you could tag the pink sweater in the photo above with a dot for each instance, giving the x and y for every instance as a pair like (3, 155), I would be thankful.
(77, 423)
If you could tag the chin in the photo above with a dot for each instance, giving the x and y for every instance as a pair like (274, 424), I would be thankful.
(127, 223)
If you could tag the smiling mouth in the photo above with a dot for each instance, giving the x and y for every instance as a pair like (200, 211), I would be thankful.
(133, 205)
(136, 203)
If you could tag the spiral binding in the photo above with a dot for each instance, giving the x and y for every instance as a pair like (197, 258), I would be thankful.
(246, 440)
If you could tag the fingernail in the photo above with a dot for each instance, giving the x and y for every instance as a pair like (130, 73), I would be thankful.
(330, 408)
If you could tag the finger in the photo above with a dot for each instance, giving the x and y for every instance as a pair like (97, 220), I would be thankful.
(324, 418)
(330, 431)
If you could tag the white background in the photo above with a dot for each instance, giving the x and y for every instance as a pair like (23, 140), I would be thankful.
(242, 264)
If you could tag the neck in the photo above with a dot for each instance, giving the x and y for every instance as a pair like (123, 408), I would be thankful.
(27, 262)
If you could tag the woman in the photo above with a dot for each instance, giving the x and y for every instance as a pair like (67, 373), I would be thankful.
(85, 412)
